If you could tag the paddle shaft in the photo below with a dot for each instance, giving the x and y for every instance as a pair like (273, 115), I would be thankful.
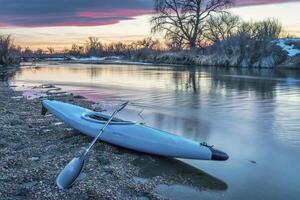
(102, 129)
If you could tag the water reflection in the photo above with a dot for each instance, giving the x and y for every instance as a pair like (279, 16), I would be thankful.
(178, 173)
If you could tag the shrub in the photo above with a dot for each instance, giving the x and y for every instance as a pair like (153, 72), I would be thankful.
(9, 54)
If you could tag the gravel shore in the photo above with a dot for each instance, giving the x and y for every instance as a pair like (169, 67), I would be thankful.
(34, 148)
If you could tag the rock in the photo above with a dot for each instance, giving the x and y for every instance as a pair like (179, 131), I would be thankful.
(139, 180)
(58, 123)
(105, 173)
(79, 97)
(47, 86)
(35, 158)
(82, 176)
(142, 198)
(29, 185)
(17, 97)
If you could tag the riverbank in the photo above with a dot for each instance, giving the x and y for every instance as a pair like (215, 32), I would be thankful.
(278, 54)
(34, 148)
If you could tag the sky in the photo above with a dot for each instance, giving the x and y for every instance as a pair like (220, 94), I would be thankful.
(59, 23)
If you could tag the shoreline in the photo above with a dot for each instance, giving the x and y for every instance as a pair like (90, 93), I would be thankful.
(162, 64)
(34, 148)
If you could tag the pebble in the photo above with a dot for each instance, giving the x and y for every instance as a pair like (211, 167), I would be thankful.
(35, 158)
(139, 180)
(17, 97)
(29, 185)
(105, 173)
(78, 97)
(81, 176)
(142, 198)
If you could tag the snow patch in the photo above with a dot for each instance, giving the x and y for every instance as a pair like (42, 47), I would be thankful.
(94, 58)
(290, 49)
(89, 58)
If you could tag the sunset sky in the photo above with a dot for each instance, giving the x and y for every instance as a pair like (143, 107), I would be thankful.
(59, 23)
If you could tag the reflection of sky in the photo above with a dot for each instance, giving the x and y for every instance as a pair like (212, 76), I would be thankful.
(139, 27)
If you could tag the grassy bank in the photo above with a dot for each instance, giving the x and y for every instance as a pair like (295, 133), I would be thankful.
(282, 53)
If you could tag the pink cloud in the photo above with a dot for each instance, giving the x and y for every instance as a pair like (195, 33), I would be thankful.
(80, 13)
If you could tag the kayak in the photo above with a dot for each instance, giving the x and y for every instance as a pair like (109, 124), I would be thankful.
(130, 135)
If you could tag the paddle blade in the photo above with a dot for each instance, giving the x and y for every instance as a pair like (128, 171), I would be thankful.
(70, 173)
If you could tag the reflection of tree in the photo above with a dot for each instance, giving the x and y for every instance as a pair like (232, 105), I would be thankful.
(193, 80)
(183, 123)
(262, 82)
(245, 80)
(95, 72)
(187, 79)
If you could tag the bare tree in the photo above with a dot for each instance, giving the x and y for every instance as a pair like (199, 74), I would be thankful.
(221, 26)
(267, 30)
(9, 53)
(51, 50)
(147, 43)
(76, 50)
(174, 42)
(39, 52)
(184, 18)
(94, 47)
(27, 52)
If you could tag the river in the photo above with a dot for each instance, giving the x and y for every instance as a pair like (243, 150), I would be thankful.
(251, 114)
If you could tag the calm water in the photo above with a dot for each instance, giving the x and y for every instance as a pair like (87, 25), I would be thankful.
(253, 115)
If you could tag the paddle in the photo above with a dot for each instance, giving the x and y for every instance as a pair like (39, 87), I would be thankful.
(72, 170)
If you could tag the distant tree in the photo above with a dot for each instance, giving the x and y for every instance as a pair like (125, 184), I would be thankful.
(39, 52)
(267, 30)
(27, 52)
(116, 48)
(51, 50)
(185, 18)
(94, 47)
(221, 26)
(147, 43)
(76, 50)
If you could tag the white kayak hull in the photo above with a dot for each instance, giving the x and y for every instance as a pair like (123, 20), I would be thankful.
(131, 135)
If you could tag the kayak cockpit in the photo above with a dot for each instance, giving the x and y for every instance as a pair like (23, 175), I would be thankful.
(103, 118)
